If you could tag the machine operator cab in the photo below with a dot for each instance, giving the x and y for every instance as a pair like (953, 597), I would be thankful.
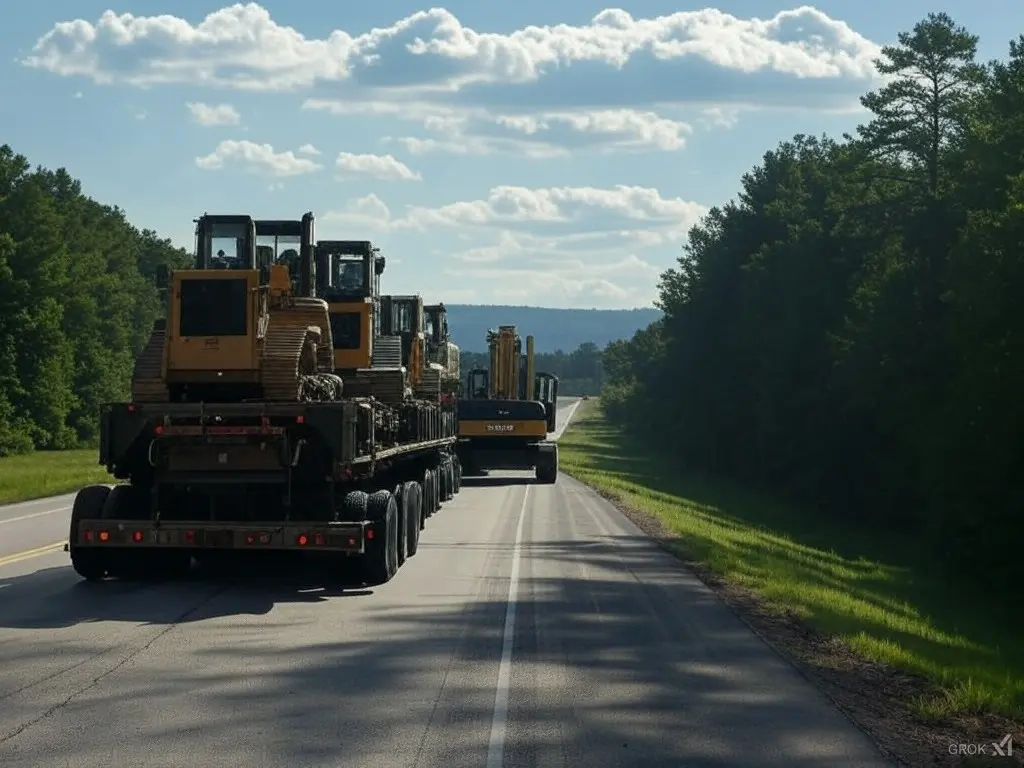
(403, 316)
(348, 279)
(214, 307)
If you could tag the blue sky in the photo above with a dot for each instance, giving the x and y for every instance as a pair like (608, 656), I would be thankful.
(531, 152)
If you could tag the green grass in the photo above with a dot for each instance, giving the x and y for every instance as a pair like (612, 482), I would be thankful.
(837, 576)
(49, 473)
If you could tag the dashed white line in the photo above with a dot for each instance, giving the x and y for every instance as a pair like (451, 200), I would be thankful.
(496, 745)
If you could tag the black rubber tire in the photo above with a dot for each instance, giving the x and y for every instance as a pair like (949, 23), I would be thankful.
(88, 562)
(403, 523)
(379, 563)
(429, 481)
(421, 505)
(436, 489)
(413, 515)
(547, 473)
(448, 469)
(457, 481)
(346, 569)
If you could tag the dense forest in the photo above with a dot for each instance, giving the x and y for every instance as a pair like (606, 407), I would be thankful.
(77, 301)
(580, 372)
(552, 329)
(848, 330)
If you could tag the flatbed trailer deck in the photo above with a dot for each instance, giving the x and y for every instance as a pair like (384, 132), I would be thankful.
(355, 478)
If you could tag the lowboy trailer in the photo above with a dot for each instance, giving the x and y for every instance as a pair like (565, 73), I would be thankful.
(353, 480)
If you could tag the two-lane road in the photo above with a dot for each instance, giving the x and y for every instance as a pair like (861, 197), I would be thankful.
(536, 626)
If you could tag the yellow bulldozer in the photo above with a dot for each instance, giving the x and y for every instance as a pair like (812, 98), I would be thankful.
(507, 411)
(241, 325)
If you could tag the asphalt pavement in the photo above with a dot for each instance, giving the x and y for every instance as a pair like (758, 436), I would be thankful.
(536, 626)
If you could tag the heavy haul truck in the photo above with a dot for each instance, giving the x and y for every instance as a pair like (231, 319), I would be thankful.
(242, 435)
(507, 411)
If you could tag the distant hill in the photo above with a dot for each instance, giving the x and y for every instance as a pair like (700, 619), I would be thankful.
(552, 329)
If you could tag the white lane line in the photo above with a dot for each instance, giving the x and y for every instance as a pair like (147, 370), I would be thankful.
(496, 746)
(34, 514)
(567, 418)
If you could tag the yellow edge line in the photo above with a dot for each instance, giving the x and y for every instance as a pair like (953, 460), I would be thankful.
(28, 554)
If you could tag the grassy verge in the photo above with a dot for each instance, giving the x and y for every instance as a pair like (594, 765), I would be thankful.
(48, 473)
(836, 577)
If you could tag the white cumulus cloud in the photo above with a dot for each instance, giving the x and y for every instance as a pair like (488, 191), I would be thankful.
(213, 114)
(380, 167)
(258, 158)
(615, 82)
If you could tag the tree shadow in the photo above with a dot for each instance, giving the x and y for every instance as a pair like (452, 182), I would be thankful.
(616, 662)
(872, 587)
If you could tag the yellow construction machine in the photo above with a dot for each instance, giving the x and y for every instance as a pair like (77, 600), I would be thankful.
(507, 411)
(239, 326)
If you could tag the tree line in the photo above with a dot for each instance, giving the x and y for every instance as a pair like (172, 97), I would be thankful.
(580, 372)
(849, 330)
(78, 298)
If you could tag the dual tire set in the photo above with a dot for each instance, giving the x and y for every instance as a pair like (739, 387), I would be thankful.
(397, 515)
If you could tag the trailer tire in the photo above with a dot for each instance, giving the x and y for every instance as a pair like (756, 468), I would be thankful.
(429, 485)
(449, 479)
(403, 523)
(354, 508)
(380, 561)
(413, 517)
(436, 489)
(457, 466)
(88, 562)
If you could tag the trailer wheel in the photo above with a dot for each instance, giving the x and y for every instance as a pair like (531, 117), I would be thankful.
(421, 505)
(447, 490)
(354, 508)
(413, 517)
(88, 562)
(429, 479)
(457, 482)
(403, 523)
(436, 489)
(380, 561)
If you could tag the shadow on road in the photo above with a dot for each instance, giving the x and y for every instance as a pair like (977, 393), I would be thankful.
(493, 481)
(58, 597)
(614, 664)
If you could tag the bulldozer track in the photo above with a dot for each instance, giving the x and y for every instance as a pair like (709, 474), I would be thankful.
(291, 327)
(148, 384)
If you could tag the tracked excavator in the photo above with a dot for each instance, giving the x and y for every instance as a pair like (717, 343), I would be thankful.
(241, 437)
(508, 410)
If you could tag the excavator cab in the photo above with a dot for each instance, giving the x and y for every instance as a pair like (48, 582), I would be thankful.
(477, 386)
(347, 276)
(546, 391)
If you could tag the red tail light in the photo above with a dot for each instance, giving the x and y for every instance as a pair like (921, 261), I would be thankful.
(369, 534)
(104, 535)
(190, 537)
(302, 540)
(137, 536)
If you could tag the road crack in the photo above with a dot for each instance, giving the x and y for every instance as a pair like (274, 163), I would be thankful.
(172, 625)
